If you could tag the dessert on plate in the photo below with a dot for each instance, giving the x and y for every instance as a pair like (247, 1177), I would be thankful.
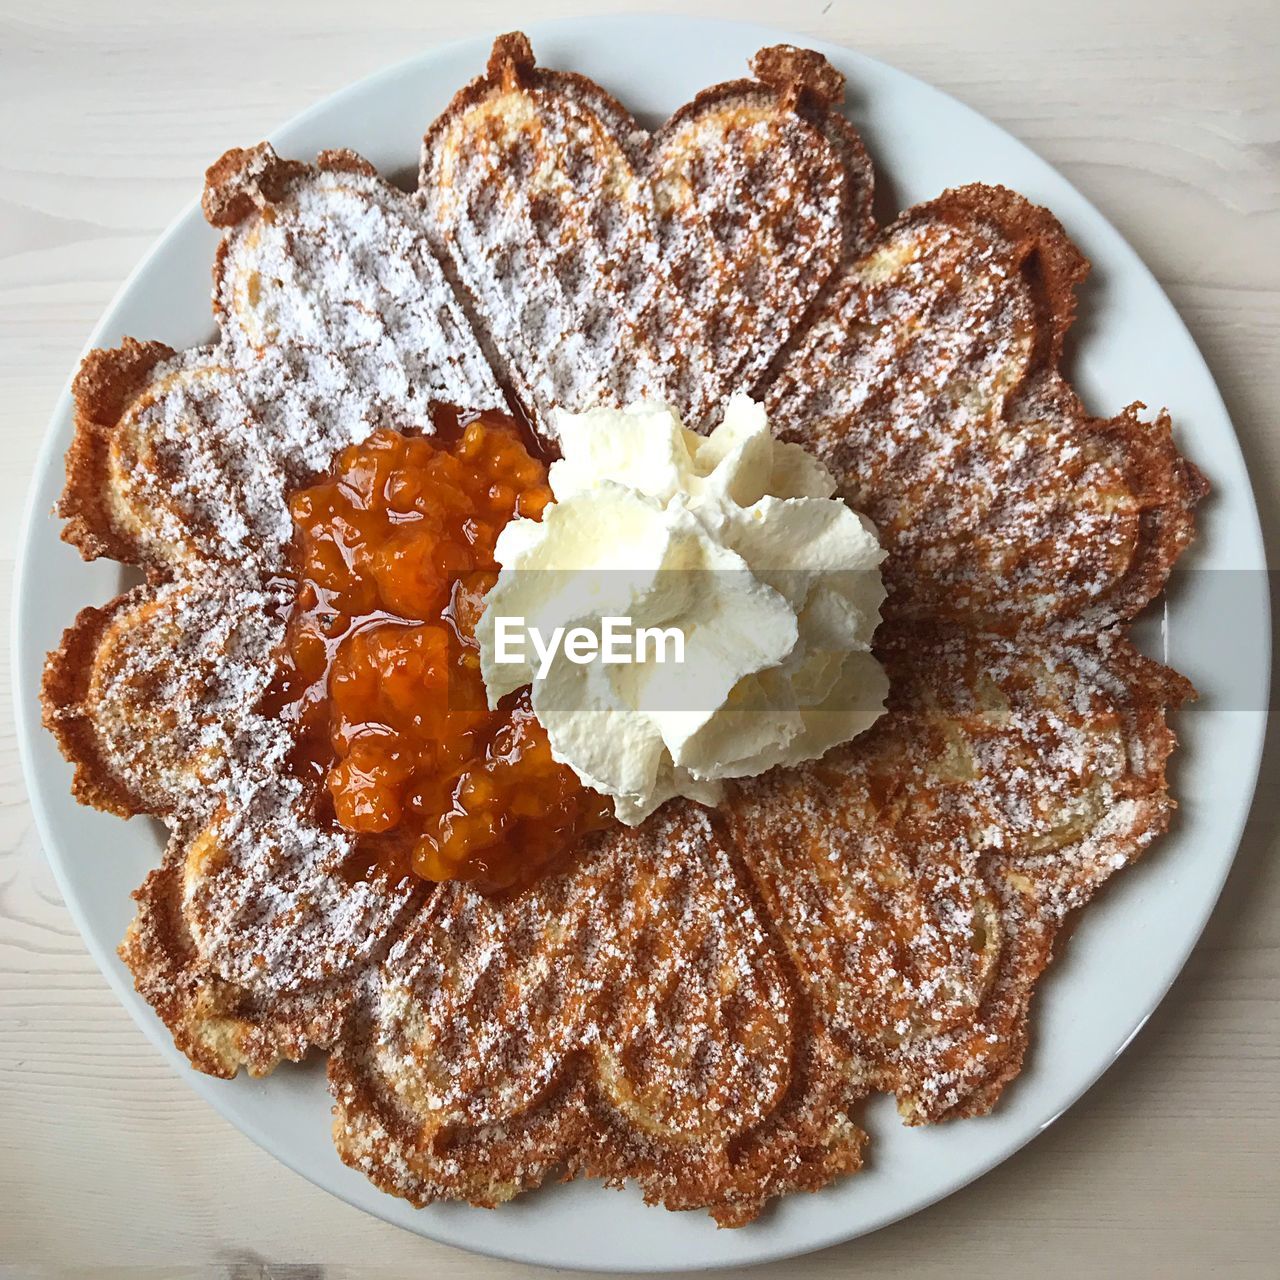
(549, 927)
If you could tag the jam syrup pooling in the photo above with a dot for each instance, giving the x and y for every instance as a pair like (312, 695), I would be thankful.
(381, 670)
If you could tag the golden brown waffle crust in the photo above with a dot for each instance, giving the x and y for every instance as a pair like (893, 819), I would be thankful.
(68, 713)
(244, 179)
(105, 385)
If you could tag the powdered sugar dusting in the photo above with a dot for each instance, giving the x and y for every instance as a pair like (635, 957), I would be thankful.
(925, 385)
(608, 267)
(920, 873)
(642, 978)
(336, 319)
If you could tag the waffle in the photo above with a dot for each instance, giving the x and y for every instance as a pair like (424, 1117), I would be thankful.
(605, 265)
(928, 382)
(701, 1004)
(919, 875)
(334, 318)
(646, 1027)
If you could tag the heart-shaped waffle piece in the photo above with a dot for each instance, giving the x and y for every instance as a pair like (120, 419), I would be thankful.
(631, 1017)
(607, 265)
(928, 381)
(919, 875)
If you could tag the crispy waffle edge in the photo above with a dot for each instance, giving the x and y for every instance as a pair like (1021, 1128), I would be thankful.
(105, 385)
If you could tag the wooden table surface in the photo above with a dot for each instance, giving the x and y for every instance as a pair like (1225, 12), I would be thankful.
(1165, 113)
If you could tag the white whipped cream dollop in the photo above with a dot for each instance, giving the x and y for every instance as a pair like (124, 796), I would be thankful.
(734, 538)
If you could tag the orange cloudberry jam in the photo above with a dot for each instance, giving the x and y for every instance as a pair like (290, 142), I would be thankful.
(381, 671)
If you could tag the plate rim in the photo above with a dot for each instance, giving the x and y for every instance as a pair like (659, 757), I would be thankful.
(28, 719)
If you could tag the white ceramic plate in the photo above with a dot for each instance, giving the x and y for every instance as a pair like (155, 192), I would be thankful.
(1215, 628)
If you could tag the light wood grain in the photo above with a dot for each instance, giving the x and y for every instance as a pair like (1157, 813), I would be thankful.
(1165, 114)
